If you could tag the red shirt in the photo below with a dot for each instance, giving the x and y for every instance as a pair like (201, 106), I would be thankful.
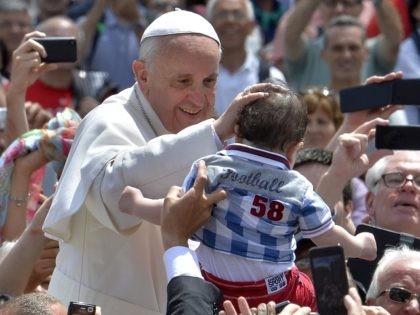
(49, 97)
(372, 29)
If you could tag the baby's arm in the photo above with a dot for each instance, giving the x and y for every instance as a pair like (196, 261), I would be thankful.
(362, 245)
(133, 202)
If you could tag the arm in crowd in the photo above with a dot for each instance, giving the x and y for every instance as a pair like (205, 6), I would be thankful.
(300, 16)
(26, 69)
(88, 25)
(15, 222)
(16, 268)
(355, 119)
(349, 160)
(391, 30)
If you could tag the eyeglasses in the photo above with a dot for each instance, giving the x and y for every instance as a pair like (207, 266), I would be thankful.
(400, 295)
(398, 180)
(345, 3)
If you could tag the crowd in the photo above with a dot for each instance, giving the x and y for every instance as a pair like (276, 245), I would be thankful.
(189, 158)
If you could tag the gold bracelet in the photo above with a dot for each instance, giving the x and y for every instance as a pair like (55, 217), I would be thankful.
(19, 200)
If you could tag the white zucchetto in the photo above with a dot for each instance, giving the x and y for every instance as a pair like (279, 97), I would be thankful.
(180, 22)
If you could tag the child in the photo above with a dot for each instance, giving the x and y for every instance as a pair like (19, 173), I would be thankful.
(247, 247)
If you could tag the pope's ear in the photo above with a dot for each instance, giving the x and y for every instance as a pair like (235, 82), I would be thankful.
(140, 72)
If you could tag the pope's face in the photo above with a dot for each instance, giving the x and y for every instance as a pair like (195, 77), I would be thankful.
(180, 85)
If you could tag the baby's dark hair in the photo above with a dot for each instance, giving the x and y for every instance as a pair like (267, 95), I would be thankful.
(274, 121)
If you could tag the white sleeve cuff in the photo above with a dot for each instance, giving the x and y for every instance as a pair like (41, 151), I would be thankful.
(181, 260)
(219, 143)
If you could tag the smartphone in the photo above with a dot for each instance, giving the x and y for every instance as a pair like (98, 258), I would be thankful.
(400, 92)
(397, 137)
(80, 308)
(329, 278)
(59, 49)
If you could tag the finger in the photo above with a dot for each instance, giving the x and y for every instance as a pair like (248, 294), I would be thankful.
(367, 126)
(355, 295)
(201, 177)
(259, 87)
(229, 308)
(216, 196)
(262, 309)
(47, 203)
(46, 67)
(293, 309)
(38, 47)
(271, 308)
(390, 76)
(41, 196)
(246, 98)
(386, 111)
(26, 56)
(367, 219)
(290, 309)
(174, 192)
(31, 111)
(32, 35)
(243, 306)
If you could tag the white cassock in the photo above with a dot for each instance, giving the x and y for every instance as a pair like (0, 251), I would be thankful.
(107, 257)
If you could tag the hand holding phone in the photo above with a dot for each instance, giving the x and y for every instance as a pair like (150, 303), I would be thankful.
(374, 95)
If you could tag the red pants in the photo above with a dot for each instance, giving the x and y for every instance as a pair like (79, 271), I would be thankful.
(297, 289)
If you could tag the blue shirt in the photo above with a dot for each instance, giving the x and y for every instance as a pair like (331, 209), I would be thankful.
(116, 48)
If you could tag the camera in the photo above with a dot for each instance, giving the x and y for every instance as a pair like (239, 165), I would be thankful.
(369, 96)
(81, 308)
(397, 137)
(59, 49)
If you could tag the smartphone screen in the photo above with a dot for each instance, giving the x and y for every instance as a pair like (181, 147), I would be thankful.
(330, 279)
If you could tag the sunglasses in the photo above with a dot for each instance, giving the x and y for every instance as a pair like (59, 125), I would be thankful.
(400, 295)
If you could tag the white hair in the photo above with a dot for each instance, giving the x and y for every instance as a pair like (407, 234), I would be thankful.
(390, 257)
(373, 175)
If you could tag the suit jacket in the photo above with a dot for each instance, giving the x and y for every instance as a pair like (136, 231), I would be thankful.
(191, 296)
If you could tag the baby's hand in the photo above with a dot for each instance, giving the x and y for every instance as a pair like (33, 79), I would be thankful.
(367, 245)
(128, 198)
